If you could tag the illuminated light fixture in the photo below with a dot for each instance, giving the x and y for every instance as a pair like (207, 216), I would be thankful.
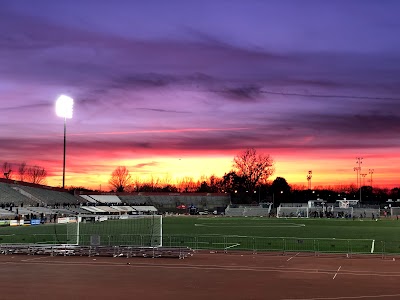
(64, 109)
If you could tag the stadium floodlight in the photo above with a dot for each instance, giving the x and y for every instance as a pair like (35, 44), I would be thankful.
(64, 108)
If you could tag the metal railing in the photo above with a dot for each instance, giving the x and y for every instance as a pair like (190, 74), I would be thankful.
(224, 243)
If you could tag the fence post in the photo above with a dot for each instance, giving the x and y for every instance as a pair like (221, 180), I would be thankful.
(315, 248)
(349, 251)
(284, 246)
(225, 245)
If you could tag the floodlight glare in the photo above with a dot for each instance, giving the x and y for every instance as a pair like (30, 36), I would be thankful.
(64, 107)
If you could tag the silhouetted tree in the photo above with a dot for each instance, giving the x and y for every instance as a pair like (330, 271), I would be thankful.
(7, 170)
(280, 184)
(187, 185)
(254, 168)
(120, 179)
(22, 171)
(233, 183)
(36, 175)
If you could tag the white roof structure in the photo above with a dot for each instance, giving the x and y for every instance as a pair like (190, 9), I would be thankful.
(106, 198)
(144, 208)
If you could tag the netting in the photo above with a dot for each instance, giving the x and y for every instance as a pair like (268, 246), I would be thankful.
(292, 212)
(143, 230)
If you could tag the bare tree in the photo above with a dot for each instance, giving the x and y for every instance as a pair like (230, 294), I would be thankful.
(36, 175)
(120, 179)
(254, 168)
(22, 169)
(7, 170)
(187, 185)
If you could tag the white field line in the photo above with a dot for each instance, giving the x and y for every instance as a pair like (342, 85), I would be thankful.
(373, 246)
(349, 297)
(206, 267)
(337, 272)
(234, 245)
(293, 256)
(229, 225)
(36, 258)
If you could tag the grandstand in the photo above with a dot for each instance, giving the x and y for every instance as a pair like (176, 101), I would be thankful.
(10, 194)
(105, 199)
(263, 209)
(169, 201)
(292, 210)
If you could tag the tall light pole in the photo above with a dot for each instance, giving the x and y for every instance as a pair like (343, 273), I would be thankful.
(309, 176)
(356, 169)
(361, 185)
(64, 108)
(371, 171)
(358, 162)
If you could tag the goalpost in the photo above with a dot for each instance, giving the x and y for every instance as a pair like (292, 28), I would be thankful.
(133, 230)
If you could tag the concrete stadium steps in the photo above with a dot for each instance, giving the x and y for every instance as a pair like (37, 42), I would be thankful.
(171, 201)
(248, 211)
(234, 211)
(296, 212)
(49, 197)
(256, 211)
(10, 195)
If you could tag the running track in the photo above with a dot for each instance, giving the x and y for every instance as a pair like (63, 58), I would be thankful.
(203, 276)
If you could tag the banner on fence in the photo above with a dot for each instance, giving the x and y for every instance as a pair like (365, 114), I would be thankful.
(4, 222)
(14, 223)
(35, 222)
(63, 220)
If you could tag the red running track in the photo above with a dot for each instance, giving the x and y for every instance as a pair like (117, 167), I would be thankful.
(203, 276)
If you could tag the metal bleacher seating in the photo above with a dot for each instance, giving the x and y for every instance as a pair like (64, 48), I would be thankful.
(49, 197)
(9, 195)
(232, 211)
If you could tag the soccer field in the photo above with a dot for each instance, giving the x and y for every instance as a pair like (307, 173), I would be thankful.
(271, 234)
(228, 233)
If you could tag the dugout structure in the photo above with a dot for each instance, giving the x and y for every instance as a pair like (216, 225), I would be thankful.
(138, 230)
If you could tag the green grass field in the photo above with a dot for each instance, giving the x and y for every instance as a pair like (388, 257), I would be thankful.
(226, 233)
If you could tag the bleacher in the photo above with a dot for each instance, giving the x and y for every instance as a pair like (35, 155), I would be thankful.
(169, 202)
(366, 212)
(106, 198)
(234, 211)
(88, 198)
(6, 213)
(292, 211)
(257, 211)
(145, 209)
(10, 195)
(47, 196)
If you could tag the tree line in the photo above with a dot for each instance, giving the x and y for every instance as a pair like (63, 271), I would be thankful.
(247, 182)
(22, 172)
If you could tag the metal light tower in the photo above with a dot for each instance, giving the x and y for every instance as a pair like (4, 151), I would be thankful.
(64, 108)
(363, 184)
(309, 176)
(358, 169)
(363, 177)
(371, 171)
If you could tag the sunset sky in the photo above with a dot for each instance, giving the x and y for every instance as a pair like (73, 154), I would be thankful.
(171, 89)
